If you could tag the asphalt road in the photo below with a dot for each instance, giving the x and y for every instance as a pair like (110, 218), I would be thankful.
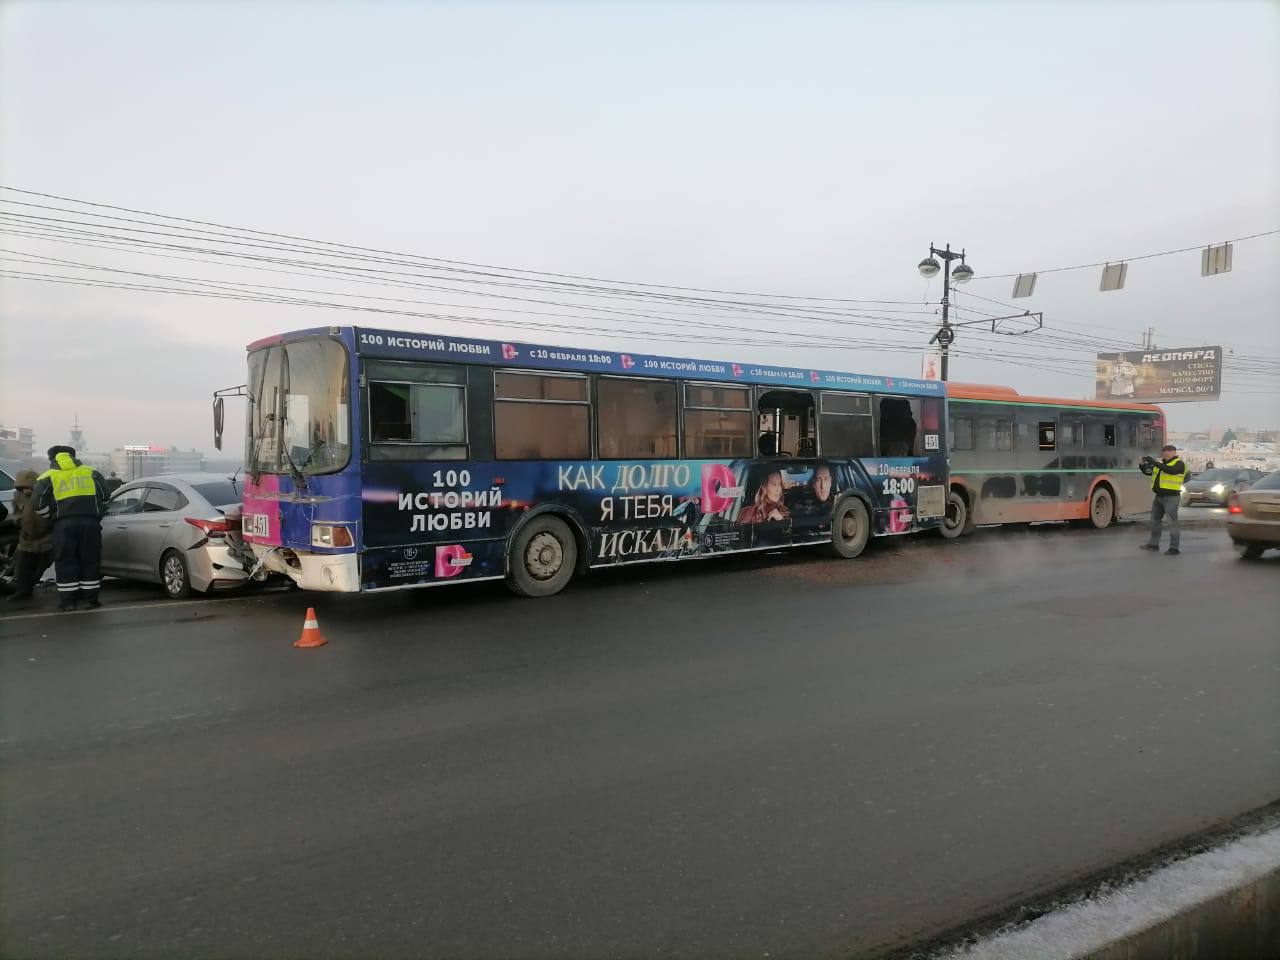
(796, 756)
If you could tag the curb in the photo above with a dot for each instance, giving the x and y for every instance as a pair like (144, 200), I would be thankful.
(1243, 923)
(1217, 902)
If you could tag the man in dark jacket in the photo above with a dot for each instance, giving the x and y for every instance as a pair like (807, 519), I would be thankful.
(1167, 476)
(74, 497)
(35, 537)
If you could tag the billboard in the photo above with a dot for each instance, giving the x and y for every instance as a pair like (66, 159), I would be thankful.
(1160, 376)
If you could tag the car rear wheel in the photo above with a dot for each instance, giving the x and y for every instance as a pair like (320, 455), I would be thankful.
(175, 576)
(1101, 508)
(8, 563)
(542, 558)
(850, 529)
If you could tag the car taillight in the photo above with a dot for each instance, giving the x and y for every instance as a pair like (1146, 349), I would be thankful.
(1233, 504)
(210, 528)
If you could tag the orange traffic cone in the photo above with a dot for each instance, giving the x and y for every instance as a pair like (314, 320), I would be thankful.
(310, 631)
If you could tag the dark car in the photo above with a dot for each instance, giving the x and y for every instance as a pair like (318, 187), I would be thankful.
(1216, 486)
(1253, 517)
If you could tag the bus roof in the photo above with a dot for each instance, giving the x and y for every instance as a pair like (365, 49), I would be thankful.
(401, 345)
(999, 394)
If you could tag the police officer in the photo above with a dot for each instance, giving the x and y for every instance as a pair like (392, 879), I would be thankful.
(1167, 476)
(74, 497)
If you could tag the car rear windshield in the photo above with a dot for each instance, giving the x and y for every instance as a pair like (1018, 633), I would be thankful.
(220, 493)
(1270, 482)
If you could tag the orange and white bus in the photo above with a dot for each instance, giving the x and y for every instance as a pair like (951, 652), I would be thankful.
(1024, 459)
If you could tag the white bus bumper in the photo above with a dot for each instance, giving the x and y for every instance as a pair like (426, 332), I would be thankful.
(330, 572)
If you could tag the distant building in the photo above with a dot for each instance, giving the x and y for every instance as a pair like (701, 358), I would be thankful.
(17, 443)
(1259, 436)
(136, 460)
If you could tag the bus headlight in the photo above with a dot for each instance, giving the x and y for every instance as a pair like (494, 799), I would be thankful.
(330, 535)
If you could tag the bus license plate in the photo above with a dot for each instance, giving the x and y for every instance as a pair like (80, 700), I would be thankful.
(255, 525)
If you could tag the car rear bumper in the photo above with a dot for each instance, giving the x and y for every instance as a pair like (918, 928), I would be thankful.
(216, 567)
(1254, 531)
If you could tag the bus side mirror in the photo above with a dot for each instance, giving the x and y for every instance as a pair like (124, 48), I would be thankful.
(217, 422)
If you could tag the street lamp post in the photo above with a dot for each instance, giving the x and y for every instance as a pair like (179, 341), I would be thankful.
(929, 268)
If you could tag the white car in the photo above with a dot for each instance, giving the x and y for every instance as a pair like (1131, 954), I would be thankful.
(6, 491)
(181, 531)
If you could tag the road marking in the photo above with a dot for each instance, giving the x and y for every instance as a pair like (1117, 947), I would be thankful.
(108, 608)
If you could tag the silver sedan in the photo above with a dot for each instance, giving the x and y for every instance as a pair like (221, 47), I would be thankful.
(178, 530)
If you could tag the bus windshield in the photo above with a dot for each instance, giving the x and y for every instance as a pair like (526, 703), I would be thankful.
(299, 410)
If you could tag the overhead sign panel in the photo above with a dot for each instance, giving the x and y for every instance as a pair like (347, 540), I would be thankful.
(1160, 376)
(1215, 260)
(1113, 276)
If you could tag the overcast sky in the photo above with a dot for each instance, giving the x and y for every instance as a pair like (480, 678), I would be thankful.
(780, 147)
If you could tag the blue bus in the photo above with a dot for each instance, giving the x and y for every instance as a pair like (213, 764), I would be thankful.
(384, 460)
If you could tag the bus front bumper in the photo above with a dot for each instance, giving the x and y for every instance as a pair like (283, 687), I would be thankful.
(330, 572)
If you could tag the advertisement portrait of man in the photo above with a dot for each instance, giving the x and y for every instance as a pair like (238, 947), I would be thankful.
(1124, 377)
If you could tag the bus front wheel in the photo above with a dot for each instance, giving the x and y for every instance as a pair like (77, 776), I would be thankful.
(543, 556)
(850, 528)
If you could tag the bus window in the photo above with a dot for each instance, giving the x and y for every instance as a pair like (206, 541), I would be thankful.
(1147, 438)
(1093, 440)
(635, 418)
(541, 417)
(1048, 434)
(899, 426)
(961, 433)
(847, 427)
(1109, 435)
(717, 421)
(416, 412)
(1130, 434)
(786, 424)
(995, 434)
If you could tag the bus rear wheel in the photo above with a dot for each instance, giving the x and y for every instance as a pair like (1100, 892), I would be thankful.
(1101, 508)
(956, 521)
(850, 528)
(542, 558)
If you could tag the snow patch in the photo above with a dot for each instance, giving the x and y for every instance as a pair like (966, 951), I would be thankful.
(1081, 928)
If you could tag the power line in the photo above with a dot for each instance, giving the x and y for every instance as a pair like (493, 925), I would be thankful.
(1145, 256)
(344, 246)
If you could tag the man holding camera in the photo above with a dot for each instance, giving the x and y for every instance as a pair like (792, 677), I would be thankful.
(1167, 475)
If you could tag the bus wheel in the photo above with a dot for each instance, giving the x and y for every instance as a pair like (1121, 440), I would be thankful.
(850, 528)
(542, 559)
(1101, 508)
(956, 521)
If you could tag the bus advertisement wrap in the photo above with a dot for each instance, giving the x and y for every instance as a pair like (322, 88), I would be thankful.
(400, 346)
(1194, 373)
(427, 523)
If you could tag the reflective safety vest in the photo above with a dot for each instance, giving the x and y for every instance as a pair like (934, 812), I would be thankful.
(76, 482)
(68, 490)
(1163, 482)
